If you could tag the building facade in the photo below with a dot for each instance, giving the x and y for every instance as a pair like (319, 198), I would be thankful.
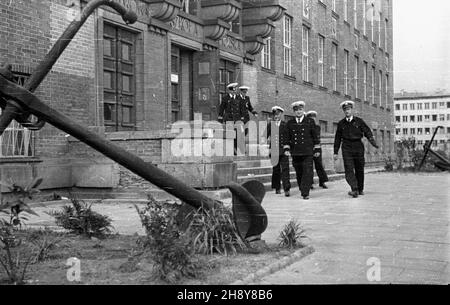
(418, 116)
(130, 83)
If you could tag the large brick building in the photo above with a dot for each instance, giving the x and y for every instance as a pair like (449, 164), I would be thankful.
(131, 82)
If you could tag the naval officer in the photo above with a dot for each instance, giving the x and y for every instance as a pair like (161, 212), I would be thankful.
(349, 132)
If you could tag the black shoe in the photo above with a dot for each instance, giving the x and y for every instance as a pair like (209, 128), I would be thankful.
(354, 194)
(312, 187)
(305, 197)
(323, 186)
(278, 191)
(287, 193)
(360, 192)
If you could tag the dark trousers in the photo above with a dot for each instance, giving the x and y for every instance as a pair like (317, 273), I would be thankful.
(281, 172)
(320, 170)
(303, 166)
(353, 155)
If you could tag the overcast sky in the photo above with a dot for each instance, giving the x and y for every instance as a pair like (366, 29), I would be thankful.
(421, 45)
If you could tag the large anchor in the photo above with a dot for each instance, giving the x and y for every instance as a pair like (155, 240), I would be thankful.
(443, 163)
(18, 103)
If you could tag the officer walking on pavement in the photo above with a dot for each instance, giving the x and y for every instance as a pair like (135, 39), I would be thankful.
(350, 131)
(318, 160)
(302, 142)
(275, 134)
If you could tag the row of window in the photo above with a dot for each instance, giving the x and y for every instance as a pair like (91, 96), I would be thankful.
(421, 106)
(412, 118)
(420, 131)
(369, 13)
(375, 84)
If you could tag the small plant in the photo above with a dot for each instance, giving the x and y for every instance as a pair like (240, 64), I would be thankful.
(16, 205)
(79, 218)
(169, 248)
(215, 231)
(389, 164)
(15, 257)
(291, 235)
(43, 241)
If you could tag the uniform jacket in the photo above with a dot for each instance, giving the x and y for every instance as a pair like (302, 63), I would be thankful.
(352, 131)
(277, 138)
(301, 139)
(248, 107)
(318, 135)
(232, 109)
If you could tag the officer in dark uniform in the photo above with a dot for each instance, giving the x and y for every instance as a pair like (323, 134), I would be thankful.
(318, 160)
(302, 142)
(243, 90)
(233, 110)
(350, 131)
(280, 170)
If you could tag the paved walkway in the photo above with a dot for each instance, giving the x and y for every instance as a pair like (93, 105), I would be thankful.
(402, 222)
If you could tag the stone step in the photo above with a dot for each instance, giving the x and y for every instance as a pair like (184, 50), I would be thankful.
(253, 163)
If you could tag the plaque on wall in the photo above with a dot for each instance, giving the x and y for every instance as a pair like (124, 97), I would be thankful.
(203, 94)
(203, 68)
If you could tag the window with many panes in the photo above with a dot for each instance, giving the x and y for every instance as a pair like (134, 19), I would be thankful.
(365, 17)
(346, 78)
(386, 34)
(355, 15)
(118, 78)
(334, 27)
(305, 53)
(365, 84)
(266, 54)
(380, 88)
(419, 118)
(434, 105)
(175, 84)
(356, 76)
(379, 29)
(345, 10)
(405, 106)
(373, 85)
(419, 106)
(191, 7)
(17, 141)
(427, 106)
(372, 22)
(307, 8)
(412, 118)
(320, 62)
(411, 106)
(386, 90)
(333, 66)
(405, 119)
(287, 45)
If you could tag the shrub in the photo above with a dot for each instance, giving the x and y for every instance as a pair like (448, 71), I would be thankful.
(291, 235)
(215, 231)
(169, 248)
(79, 218)
(389, 164)
(15, 256)
(43, 241)
(16, 205)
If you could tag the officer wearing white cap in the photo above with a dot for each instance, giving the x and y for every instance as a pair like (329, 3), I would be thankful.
(248, 105)
(302, 142)
(321, 173)
(231, 109)
(280, 161)
(349, 132)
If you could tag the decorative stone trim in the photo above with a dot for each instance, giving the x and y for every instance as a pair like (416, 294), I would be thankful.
(215, 29)
(164, 10)
(254, 45)
(270, 9)
(257, 27)
(227, 10)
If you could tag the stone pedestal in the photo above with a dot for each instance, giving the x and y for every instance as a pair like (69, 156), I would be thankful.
(201, 158)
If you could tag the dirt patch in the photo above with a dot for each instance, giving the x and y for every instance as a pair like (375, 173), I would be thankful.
(107, 261)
